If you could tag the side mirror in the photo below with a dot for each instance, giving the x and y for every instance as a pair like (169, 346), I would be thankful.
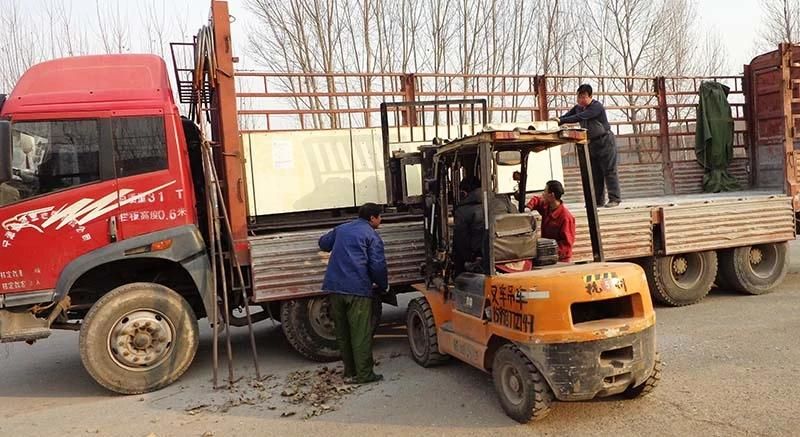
(5, 151)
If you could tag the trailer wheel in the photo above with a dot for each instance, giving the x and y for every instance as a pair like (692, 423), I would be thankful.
(308, 326)
(682, 279)
(138, 338)
(649, 384)
(523, 391)
(422, 338)
(754, 269)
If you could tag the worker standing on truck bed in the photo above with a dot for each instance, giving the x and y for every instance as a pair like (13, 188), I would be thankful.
(357, 261)
(602, 145)
(557, 222)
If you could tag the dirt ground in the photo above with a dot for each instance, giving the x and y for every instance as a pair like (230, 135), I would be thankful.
(731, 369)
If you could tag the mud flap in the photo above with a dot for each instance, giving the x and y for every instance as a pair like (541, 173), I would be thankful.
(22, 326)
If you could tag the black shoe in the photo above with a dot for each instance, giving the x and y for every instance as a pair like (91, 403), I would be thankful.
(370, 379)
(612, 204)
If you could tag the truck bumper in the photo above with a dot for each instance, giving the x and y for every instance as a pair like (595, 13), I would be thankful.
(585, 370)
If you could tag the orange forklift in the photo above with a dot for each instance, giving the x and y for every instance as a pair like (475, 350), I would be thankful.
(566, 332)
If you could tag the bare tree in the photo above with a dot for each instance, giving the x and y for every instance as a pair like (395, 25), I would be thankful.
(781, 22)
(19, 44)
(112, 28)
(152, 16)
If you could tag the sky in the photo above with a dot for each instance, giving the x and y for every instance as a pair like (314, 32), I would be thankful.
(737, 22)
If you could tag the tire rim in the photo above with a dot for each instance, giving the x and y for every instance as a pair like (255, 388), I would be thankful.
(141, 340)
(319, 315)
(687, 269)
(511, 383)
(417, 337)
(763, 260)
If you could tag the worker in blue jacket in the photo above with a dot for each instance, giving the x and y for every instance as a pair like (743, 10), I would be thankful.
(357, 262)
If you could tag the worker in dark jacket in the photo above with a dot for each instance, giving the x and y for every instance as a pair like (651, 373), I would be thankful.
(602, 146)
(357, 262)
(557, 222)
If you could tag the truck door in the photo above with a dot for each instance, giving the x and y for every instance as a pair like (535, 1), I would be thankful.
(60, 204)
(151, 164)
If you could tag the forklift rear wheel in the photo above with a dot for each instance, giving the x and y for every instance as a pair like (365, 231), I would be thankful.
(681, 279)
(523, 391)
(138, 338)
(422, 336)
(649, 384)
(754, 269)
(308, 326)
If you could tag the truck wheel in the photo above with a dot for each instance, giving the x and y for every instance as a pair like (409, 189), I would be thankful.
(308, 326)
(523, 391)
(138, 338)
(648, 385)
(754, 269)
(683, 279)
(422, 337)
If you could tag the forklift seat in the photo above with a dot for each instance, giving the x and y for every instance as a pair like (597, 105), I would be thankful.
(515, 237)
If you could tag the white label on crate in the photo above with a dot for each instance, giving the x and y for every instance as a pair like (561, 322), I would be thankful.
(282, 157)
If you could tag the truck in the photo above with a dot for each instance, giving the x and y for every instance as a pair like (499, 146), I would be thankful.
(105, 231)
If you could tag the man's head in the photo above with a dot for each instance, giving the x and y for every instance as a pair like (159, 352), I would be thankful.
(584, 95)
(553, 190)
(469, 183)
(370, 212)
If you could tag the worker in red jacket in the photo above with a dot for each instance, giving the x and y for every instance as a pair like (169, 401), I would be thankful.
(557, 222)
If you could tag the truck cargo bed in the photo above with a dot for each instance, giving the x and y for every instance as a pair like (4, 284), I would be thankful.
(290, 264)
(688, 223)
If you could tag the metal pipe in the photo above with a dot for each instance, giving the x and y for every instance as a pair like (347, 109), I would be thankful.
(237, 266)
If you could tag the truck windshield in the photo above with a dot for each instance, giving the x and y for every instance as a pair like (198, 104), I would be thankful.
(51, 155)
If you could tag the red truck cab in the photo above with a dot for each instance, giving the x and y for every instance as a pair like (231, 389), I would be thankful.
(97, 195)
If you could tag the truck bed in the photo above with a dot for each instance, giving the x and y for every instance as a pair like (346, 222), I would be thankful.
(688, 223)
(290, 265)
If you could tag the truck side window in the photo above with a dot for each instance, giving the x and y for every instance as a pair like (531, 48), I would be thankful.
(52, 155)
(139, 145)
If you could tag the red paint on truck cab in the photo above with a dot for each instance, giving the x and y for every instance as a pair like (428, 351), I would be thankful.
(99, 156)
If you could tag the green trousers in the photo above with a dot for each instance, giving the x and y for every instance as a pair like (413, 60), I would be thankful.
(352, 317)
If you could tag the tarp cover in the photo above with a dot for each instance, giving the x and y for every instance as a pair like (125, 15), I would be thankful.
(714, 137)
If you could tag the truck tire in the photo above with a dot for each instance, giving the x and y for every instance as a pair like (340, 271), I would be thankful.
(754, 269)
(649, 384)
(422, 338)
(138, 338)
(523, 391)
(308, 326)
(682, 279)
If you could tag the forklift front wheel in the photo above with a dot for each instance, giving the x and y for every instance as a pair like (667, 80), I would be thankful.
(422, 336)
(648, 385)
(523, 391)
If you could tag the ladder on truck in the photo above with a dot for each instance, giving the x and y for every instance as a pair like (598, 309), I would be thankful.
(196, 85)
